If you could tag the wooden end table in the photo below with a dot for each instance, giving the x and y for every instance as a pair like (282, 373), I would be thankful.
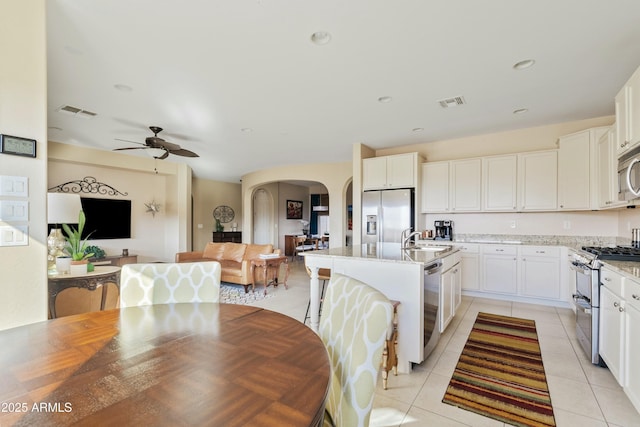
(270, 268)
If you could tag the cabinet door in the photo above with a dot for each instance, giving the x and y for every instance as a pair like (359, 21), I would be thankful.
(611, 331)
(540, 276)
(466, 187)
(499, 269)
(401, 171)
(456, 285)
(469, 272)
(446, 299)
(633, 109)
(435, 187)
(607, 170)
(632, 355)
(374, 173)
(574, 172)
(499, 183)
(622, 122)
(537, 181)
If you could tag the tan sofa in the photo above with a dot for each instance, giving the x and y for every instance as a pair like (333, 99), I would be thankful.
(234, 258)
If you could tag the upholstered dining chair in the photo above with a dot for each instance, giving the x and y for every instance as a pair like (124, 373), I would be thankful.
(353, 326)
(162, 283)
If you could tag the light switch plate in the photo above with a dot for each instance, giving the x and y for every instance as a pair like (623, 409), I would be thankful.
(14, 210)
(14, 235)
(16, 186)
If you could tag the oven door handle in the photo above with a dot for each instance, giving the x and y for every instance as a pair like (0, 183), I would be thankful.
(580, 268)
(581, 303)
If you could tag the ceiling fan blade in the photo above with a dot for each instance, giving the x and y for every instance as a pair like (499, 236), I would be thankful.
(183, 152)
(128, 140)
(130, 148)
(167, 145)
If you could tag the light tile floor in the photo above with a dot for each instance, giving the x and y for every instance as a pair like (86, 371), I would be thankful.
(582, 394)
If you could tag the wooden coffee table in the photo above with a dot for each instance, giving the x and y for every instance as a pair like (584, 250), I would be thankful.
(270, 268)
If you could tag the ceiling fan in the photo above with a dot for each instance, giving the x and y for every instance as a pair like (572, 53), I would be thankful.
(156, 142)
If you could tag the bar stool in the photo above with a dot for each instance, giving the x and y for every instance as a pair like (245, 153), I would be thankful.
(390, 351)
(324, 274)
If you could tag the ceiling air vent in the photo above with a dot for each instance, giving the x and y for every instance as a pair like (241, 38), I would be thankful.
(78, 112)
(452, 102)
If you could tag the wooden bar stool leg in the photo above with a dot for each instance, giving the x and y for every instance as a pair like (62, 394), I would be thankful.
(390, 351)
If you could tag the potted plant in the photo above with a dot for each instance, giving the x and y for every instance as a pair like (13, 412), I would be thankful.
(76, 246)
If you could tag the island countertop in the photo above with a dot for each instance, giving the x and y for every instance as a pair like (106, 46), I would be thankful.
(391, 252)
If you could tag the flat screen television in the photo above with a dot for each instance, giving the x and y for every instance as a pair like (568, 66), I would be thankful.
(107, 218)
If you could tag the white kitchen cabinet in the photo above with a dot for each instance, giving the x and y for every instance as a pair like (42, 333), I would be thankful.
(450, 293)
(386, 172)
(612, 331)
(469, 266)
(538, 181)
(435, 187)
(465, 185)
(576, 160)
(627, 103)
(607, 170)
(631, 294)
(499, 269)
(499, 183)
(540, 272)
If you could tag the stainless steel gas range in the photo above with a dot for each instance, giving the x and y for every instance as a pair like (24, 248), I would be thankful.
(586, 264)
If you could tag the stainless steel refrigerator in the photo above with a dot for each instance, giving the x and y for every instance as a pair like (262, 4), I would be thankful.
(385, 213)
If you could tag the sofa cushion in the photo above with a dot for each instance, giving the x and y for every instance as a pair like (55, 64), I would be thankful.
(213, 251)
(254, 250)
(234, 251)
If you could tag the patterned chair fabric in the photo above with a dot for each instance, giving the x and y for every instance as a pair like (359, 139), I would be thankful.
(354, 325)
(163, 283)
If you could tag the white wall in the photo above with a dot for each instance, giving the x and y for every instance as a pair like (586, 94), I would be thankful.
(207, 195)
(23, 103)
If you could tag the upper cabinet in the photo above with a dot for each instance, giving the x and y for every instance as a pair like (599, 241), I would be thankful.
(396, 171)
(627, 103)
(607, 176)
(451, 186)
(538, 181)
(577, 166)
(499, 183)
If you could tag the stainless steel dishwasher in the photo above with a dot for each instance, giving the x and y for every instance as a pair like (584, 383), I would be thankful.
(432, 273)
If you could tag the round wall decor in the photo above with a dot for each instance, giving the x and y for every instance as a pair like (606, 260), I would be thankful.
(223, 213)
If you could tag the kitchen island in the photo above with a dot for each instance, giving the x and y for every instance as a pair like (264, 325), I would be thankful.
(396, 272)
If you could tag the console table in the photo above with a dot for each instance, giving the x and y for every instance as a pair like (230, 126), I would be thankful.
(227, 236)
(118, 260)
(97, 290)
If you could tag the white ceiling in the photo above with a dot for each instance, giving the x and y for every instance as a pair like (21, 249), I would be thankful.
(204, 70)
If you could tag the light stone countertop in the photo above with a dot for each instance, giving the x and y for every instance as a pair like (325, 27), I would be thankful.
(391, 252)
(626, 268)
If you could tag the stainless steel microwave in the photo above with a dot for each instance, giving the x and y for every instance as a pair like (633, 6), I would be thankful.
(629, 175)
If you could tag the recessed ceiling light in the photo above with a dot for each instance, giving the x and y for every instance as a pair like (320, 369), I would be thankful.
(123, 88)
(320, 37)
(520, 111)
(523, 64)
(384, 99)
(417, 129)
(246, 130)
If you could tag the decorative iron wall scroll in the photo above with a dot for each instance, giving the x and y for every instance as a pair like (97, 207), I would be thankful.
(87, 185)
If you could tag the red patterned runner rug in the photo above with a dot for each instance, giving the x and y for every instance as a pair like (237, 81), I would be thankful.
(500, 373)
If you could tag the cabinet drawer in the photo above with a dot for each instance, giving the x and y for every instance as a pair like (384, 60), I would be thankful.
(469, 248)
(450, 261)
(611, 280)
(500, 249)
(631, 293)
(553, 251)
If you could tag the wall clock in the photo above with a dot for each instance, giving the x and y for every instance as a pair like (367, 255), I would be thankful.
(224, 213)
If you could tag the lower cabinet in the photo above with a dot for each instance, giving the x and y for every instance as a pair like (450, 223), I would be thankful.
(450, 289)
(499, 269)
(612, 331)
(540, 272)
(631, 293)
(469, 266)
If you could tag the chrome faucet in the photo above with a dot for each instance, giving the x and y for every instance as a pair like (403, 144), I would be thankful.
(406, 240)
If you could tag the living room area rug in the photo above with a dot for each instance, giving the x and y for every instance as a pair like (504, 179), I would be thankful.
(235, 294)
(500, 373)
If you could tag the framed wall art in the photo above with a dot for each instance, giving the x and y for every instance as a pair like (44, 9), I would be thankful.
(294, 209)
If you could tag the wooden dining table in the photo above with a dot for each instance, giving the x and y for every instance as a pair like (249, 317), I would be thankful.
(176, 365)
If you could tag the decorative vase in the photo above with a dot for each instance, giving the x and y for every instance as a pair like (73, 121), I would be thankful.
(62, 264)
(78, 268)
